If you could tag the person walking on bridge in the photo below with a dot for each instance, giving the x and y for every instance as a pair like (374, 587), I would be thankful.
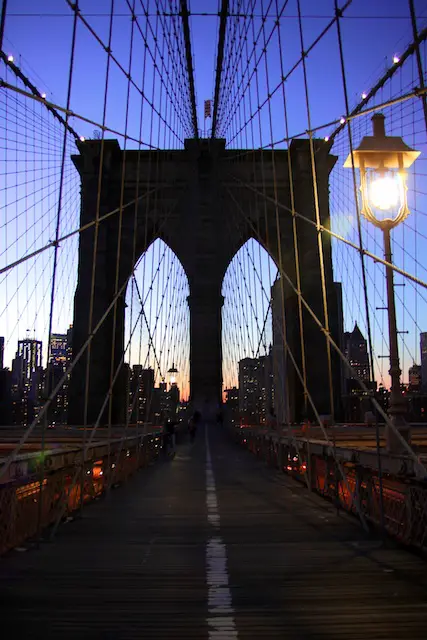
(169, 437)
(193, 424)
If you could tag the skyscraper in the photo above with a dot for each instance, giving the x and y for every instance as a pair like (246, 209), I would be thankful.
(356, 401)
(18, 371)
(232, 404)
(27, 380)
(6, 414)
(414, 378)
(141, 386)
(356, 352)
(58, 350)
(58, 360)
(423, 347)
(1, 353)
(255, 389)
(30, 350)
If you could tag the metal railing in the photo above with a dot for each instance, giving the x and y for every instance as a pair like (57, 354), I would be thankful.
(39, 492)
(396, 506)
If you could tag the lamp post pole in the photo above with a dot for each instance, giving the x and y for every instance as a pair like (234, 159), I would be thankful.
(382, 161)
(397, 404)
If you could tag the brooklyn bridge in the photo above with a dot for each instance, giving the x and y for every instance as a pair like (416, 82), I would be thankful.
(213, 359)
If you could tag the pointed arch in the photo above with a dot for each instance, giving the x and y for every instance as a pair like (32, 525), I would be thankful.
(157, 316)
(247, 332)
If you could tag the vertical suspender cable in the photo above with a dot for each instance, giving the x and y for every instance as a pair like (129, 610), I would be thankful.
(294, 235)
(119, 249)
(189, 58)
(338, 15)
(55, 265)
(96, 231)
(2, 22)
(219, 63)
(355, 190)
(418, 57)
(317, 214)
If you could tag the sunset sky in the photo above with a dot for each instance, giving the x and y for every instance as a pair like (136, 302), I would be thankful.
(38, 35)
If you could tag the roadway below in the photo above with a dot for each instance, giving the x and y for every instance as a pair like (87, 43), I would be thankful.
(210, 545)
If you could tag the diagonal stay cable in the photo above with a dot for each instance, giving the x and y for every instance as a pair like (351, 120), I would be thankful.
(302, 377)
(73, 114)
(86, 445)
(100, 413)
(108, 50)
(242, 306)
(13, 455)
(84, 227)
(166, 73)
(189, 59)
(342, 356)
(333, 234)
(231, 54)
(35, 92)
(142, 303)
(263, 290)
(231, 112)
(263, 331)
(411, 49)
(177, 77)
(295, 66)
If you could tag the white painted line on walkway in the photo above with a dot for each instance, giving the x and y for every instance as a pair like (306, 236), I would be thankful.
(221, 625)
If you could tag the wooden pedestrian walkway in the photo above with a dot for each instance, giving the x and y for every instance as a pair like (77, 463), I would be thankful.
(213, 545)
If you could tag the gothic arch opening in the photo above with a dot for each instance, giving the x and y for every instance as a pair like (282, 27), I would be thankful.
(157, 338)
(252, 337)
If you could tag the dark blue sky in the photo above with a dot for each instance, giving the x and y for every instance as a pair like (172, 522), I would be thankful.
(372, 33)
(39, 37)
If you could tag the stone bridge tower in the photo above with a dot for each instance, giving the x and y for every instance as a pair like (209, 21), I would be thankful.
(197, 202)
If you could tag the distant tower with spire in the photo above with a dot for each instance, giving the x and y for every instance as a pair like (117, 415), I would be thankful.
(356, 351)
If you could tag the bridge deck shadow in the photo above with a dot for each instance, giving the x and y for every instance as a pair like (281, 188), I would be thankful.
(135, 565)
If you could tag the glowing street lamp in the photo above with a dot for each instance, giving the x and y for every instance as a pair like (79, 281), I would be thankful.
(172, 374)
(382, 161)
(173, 391)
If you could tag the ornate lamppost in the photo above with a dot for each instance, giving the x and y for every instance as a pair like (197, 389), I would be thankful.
(173, 390)
(382, 161)
(172, 374)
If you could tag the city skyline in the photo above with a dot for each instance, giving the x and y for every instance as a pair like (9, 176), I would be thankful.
(213, 318)
(25, 290)
(27, 384)
(362, 371)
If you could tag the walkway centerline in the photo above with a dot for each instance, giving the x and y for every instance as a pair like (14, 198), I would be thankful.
(220, 620)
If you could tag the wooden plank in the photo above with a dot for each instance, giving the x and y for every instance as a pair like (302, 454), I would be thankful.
(135, 565)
